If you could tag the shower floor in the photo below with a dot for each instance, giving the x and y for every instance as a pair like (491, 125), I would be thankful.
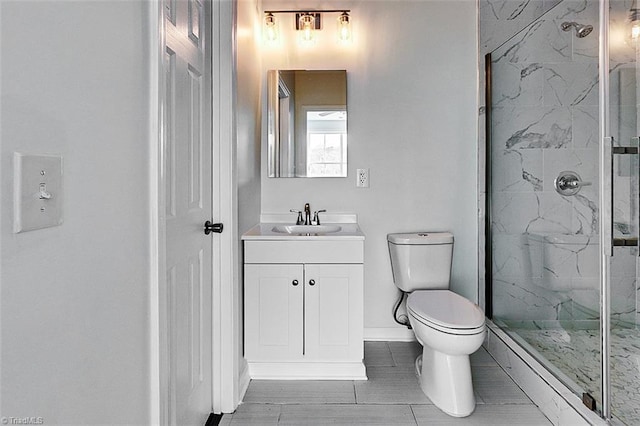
(576, 353)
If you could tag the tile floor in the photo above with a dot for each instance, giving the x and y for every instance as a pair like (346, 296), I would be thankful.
(391, 396)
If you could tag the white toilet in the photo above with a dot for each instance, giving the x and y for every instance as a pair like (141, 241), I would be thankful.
(448, 326)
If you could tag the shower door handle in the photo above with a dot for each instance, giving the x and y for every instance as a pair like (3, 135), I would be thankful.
(609, 240)
(607, 196)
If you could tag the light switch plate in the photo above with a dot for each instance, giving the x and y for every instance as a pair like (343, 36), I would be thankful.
(37, 192)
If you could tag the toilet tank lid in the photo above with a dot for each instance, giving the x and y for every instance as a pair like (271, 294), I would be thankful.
(421, 238)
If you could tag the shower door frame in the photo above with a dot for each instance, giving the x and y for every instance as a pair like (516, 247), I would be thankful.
(605, 236)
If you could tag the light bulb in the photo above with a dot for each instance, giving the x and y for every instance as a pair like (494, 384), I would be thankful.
(307, 25)
(344, 28)
(270, 29)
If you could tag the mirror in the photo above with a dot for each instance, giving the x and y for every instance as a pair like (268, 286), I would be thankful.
(307, 123)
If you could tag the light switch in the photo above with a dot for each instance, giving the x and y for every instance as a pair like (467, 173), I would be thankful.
(37, 196)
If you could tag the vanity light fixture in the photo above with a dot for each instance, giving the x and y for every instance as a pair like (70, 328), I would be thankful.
(307, 23)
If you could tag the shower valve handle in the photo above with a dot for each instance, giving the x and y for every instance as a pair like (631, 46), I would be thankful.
(569, 183)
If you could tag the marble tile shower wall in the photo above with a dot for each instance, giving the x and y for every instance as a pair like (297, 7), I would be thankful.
(545, 121)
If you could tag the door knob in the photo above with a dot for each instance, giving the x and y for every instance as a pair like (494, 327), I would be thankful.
(212, 227)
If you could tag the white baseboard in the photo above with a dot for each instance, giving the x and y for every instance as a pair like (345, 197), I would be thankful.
(307, 370)
(243, 381)
(388, 334)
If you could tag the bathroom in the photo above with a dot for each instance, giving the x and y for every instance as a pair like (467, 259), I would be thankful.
(415, 76)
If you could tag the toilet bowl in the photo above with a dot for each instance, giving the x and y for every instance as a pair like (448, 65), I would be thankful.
(448, 326)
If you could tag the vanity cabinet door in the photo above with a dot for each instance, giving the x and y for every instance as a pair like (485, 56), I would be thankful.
(334, 312)
(273, 295)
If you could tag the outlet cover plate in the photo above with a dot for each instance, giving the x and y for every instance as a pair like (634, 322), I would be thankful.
(362, 178)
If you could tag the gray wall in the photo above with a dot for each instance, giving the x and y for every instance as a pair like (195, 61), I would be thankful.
(411, 121)
(247, 144)
(75, 298)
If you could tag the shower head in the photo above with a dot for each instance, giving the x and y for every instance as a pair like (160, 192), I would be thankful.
(581, 30)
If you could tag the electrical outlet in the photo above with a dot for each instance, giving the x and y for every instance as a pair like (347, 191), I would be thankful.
(362, 178)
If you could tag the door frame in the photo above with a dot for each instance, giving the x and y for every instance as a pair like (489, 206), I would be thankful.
(225, 296)
(227, 386)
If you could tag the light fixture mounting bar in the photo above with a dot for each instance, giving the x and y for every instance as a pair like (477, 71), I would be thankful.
(308, 11)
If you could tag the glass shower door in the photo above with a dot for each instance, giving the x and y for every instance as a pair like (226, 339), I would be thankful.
(621, 343)
(543, 193)
(562, 191)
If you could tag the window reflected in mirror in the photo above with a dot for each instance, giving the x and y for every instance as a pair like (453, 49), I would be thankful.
(327, 143)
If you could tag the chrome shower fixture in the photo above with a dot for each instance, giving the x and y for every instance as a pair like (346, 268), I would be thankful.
(581, 30)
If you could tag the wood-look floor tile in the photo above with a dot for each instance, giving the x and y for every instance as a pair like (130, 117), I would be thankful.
(346, 415)
(390, 385)
(301, 392)
(253, 414)
(484, 415)
(377, 354)
(482, 357)
(494, 386)
(405, 353)
(391, 396)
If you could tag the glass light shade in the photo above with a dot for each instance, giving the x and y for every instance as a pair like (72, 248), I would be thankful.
(344, 28)
(307, 26)
(270, 29)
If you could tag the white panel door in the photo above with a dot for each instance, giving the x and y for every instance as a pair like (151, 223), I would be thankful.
(273, 297)
(333, 312)
(188, 181)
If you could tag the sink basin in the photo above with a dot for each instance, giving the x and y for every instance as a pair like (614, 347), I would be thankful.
(307, 229)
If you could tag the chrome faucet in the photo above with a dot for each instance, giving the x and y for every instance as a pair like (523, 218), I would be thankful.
(307, 214)
(316, 218)
(299, 221)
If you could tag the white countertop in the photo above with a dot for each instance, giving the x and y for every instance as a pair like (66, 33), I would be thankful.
(265, 231)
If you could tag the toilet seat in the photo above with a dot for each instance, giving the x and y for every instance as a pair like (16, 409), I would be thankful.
(446, 311)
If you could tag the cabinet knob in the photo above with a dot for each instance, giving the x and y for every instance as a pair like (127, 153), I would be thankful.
(312, 282)
(294, 282)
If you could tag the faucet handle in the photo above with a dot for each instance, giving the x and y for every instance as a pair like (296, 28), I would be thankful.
(316, 218)
(299, 221)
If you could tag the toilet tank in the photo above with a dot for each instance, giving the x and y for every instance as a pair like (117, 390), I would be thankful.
(421, 260)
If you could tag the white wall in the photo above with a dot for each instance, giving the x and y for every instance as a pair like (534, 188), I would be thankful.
(248, 125)
(412, 121)
(248, 112)
(74, 305)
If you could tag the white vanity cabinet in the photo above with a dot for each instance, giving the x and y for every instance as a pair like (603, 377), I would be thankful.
(303, 308)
